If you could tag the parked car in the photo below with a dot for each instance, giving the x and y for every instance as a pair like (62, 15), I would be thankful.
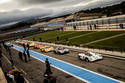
(47, 48)
(32, 44)
(89, 56)
(37, 46)
(61, 50)
(8, 44)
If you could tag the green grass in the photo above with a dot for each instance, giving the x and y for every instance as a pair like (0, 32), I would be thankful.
(94, 36)
(117, 44)
(48, 35)
(62, 38)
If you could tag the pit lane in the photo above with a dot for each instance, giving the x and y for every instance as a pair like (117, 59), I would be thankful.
(111, 67)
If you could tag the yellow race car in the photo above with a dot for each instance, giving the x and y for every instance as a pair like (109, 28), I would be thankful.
(47, 49)
(32, 44)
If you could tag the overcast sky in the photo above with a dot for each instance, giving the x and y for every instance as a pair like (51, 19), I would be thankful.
(19, 8)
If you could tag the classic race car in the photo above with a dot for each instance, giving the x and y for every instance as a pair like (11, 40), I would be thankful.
(21, 42)
(8, 44)
(61, 50)
(37, 46)
(47, 48)
(32, 44)
(89, 56)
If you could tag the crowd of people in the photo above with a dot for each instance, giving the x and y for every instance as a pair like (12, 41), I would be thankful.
(13, 75)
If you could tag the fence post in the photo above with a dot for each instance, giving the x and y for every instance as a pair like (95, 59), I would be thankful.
(109, 23)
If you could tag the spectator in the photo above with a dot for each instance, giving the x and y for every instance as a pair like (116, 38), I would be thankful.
(40, 39)
(33, 39)
(94, 26)
(28, 47)
(90, 27)
(10, 78)
(28, 54)
(20, 56)
(121, 26)
(62, 28)
(11, 60)
(24, 47)
(18, 77)
(67, 39)
(48, 69)
(25, 56)
(74, 27)
(57, 38)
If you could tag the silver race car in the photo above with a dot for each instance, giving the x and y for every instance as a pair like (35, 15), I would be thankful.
(8, 44)
(89, 56)
(61, 50)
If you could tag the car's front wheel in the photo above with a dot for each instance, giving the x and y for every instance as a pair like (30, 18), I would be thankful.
(86, 59)
(79, 58)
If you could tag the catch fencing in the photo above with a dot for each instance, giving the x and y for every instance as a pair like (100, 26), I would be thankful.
(101, 23)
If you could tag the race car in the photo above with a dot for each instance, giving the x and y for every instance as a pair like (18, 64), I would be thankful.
(61, 50)
(17, 41)
(89, 56)
(46, 48)
(32, 44)
(21, 42)
(37, 46)
(8, 44)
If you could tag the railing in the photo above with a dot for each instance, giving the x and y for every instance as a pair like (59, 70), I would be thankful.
(108, 22)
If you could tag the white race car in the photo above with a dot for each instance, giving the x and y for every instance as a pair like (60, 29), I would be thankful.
(61, 50)
(8, 44)
(89, 56)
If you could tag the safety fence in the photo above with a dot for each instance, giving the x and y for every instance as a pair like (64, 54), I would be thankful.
(115, 22)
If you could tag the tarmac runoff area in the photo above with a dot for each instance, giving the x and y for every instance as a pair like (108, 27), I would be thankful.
(109, 68)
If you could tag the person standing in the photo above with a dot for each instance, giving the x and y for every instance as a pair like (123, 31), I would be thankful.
(28, 54)
(74, 27)
(25, 56)
(94, 26)
(121, 26)
(48, 69)
(90, 27)
(40, 39)
(27, 51)
(20, 56)
(18, 77)
(24, 47)
(28, 47)
(57, 38)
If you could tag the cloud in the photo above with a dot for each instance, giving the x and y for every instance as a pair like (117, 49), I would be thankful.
(18, 15)
(31, 2)
(26, 8)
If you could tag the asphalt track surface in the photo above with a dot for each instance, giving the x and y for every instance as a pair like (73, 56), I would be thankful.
(35, 69)
(111, 67)
(108, 66)
(76, 71)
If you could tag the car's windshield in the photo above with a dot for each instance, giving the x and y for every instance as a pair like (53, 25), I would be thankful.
(60, 48)
(47, 47)
(87, 53)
